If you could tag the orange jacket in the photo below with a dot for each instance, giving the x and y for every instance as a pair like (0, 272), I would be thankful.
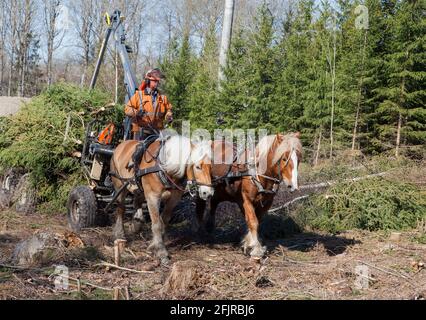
(151, 117)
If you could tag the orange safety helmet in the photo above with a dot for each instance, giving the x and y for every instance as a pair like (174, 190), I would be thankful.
(153, 74)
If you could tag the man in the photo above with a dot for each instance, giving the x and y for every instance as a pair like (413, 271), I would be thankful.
(148, 108)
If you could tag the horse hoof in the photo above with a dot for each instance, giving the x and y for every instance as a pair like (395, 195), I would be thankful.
(246, 249)
(163, 255)
(165, 261)
(258, 252)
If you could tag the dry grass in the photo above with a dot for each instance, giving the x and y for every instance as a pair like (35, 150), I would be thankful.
(302, 266)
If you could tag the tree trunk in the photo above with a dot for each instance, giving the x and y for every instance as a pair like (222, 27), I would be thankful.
(398, 130)
(51, 13)
(318, 148)
(361, 82)
(25, 46)
(3, 17)
(398, 135)
(226, 36)
(13, 14)
(9, 85)
(333, 87)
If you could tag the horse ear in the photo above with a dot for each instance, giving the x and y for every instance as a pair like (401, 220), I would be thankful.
(280, 137)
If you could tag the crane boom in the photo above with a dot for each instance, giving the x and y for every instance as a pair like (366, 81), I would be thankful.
(116, 27)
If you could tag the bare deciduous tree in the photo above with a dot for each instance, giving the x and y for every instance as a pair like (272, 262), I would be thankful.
(51, 10)
(25, 37)
(83, 11)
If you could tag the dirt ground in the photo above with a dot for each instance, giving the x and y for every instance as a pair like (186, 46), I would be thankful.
(298, 266)
(10, 105)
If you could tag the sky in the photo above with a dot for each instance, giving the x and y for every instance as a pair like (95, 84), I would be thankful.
(149, 37)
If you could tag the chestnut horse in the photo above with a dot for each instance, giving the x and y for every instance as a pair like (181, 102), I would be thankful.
(277, 159)
(165, 163)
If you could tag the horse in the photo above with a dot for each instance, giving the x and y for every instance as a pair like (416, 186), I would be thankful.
(164, 164)
(278, 156)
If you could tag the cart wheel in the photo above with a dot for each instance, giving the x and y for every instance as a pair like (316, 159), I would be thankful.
(25, 197)
(82, 208)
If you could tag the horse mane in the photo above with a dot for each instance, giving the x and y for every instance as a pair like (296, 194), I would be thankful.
(200, 151)
(290, 141)
(175, 154)
(178, 152)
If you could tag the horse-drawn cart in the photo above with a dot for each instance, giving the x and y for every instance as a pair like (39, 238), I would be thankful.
(89, 205)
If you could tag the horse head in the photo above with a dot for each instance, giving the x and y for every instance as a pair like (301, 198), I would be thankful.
(279, 157)
(199, 168)
(288, 156)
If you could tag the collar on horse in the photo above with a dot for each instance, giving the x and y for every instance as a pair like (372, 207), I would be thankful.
(165, 179)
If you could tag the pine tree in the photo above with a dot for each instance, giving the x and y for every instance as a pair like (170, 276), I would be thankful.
(354, 48)
(233, 97)
(179, 69)
(292, 76)
(402, 110)
(203, 91)
(248, 92)
(379, 38)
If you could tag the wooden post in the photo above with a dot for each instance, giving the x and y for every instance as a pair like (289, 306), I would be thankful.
(116, 293)
(119, 246)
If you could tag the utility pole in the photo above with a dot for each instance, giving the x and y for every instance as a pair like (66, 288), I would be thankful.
(226, 36)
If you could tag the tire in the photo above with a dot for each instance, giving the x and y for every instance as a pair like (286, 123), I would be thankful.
(24, 198)
(82, 208)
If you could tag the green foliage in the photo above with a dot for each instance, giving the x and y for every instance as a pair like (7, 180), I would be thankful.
(247, 96)
(404, 92)
(179, 67)
(279, 77)
(202, 102)
(36, 138)
(371, 204)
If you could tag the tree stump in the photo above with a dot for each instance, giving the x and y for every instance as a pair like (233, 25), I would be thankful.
(186, 279)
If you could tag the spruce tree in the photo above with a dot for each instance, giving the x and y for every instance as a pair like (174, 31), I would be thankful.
(179, 70)
(203, 90)
(402, 113)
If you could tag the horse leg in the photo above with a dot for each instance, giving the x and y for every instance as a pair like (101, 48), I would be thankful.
(251, 240)
(200, 207)
(170, 204)
(157, 227)
(138, 218)
(118, 230)
(211, 219)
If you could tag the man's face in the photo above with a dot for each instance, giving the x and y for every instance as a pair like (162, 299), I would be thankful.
(153, 84)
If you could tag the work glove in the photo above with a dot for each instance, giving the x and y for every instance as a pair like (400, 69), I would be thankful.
(169, 117)
(141, 112)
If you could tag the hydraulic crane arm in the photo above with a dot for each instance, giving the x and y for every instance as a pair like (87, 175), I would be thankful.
(115, 27)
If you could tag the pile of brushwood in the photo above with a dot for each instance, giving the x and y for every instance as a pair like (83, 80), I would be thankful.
(393, 201)
(45, 136)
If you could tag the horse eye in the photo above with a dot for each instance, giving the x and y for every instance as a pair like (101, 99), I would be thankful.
(198, 167)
